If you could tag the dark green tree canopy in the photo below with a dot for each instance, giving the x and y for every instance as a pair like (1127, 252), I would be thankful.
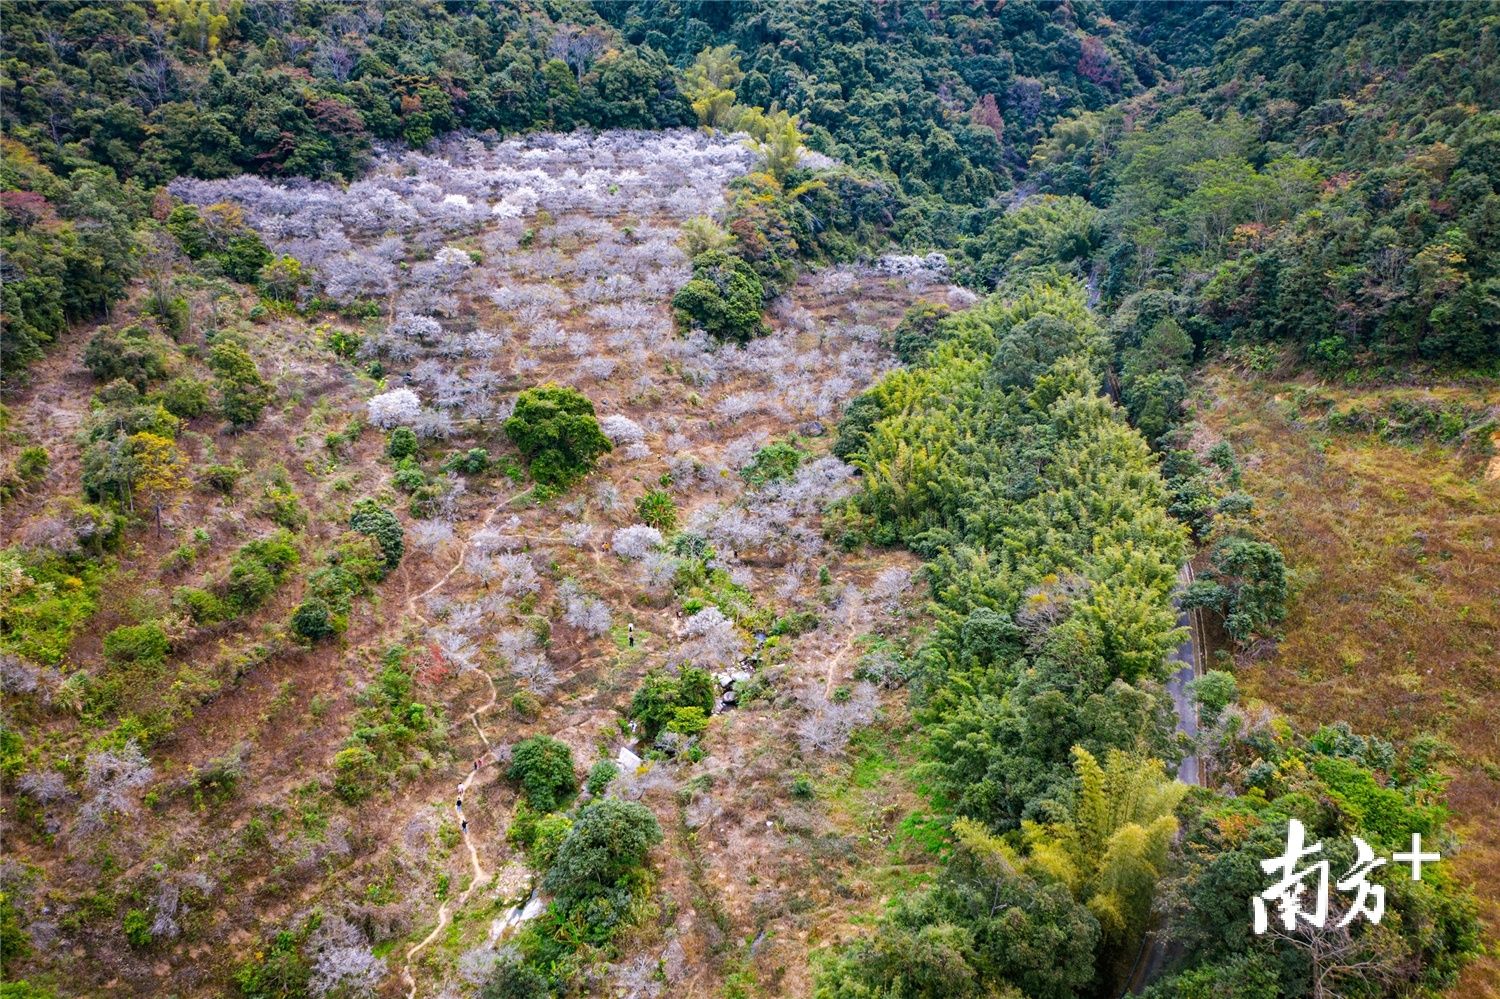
(556, 430)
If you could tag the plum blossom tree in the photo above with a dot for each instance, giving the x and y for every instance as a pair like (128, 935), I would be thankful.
(891, 585)
(829, 723)
(534, 672)
(583, 610)
(46, 787)
(635, 541)
(518, 575)
(111, 780)
(342, 962)
(714, 643)
(398, 408)
(577, 533)
(430, 535)
(657, 570)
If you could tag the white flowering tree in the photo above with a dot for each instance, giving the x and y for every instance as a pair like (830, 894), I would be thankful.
(398, 408)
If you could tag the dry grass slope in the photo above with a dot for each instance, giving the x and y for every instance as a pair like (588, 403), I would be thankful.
(1393, 536)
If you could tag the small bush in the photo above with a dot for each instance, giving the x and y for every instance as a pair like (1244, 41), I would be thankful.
(773, 463)
(132, 354)
(355, 772)
(660, 698)
(546, 837)
(543, 767)
(256, 569)
(601, 774)
(606, 846)
(278, 972)
(512, 979)
(475, 461)
(221, 478)
(312, 621)
(370, 518)
(401, 443)
(917, 330)
(137, 926)
(724, 298)
(199, 605)
(142, 644)
(32, 464)
(688, 721)
(279, 504)
(409, 476)
(185, 397)
(657, 509)
(525, 704)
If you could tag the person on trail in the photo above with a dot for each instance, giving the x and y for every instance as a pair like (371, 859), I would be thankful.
(460, 804)
(464, 825)
(630, 631)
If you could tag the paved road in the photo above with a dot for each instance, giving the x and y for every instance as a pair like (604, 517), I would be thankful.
(1155, 952)
(1177, 686)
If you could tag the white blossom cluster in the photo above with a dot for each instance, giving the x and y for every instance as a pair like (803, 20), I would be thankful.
(352, 236)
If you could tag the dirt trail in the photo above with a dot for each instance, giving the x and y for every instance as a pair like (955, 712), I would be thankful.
(838, 657)
(445, 910)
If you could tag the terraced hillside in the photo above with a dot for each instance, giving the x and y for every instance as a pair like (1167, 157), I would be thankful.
(235, 792)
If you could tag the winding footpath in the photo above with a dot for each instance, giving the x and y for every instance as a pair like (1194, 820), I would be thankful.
(445, 910)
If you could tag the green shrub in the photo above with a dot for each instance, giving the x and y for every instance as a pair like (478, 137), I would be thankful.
(660, 698)
(917, 330)
(256, 569)
(350, 568)
(374, 520)
(555, 429)
(355, 772)
(688, 721)
(546, 837)
(137, 924)
(221, 478)
(409, 476)
(243, 393)
(141, 644)
(32, 464)
(131, 354)
(605, 848)
(279, 972)
(475, 461)
(278, 502)
(1214, 691)
(543, 767)
(773, 463)
(185, 397)
(513, 979)
(657, 509)
(724, 298)
(249, 585)
(344, 343)
(401, 443)
(312, 621)
(600, 776)
(525, 704)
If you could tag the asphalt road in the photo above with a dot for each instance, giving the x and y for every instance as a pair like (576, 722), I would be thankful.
(1177, 686)
(1155, 952)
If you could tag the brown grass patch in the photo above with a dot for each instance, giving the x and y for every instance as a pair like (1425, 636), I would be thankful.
(1394, 622)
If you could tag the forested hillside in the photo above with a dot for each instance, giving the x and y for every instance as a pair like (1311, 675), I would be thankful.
(656, 498)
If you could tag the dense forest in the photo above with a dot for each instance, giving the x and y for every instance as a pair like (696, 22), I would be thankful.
(788, 417)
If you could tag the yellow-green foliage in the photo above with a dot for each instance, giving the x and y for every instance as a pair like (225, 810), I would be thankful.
(1113, 848)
